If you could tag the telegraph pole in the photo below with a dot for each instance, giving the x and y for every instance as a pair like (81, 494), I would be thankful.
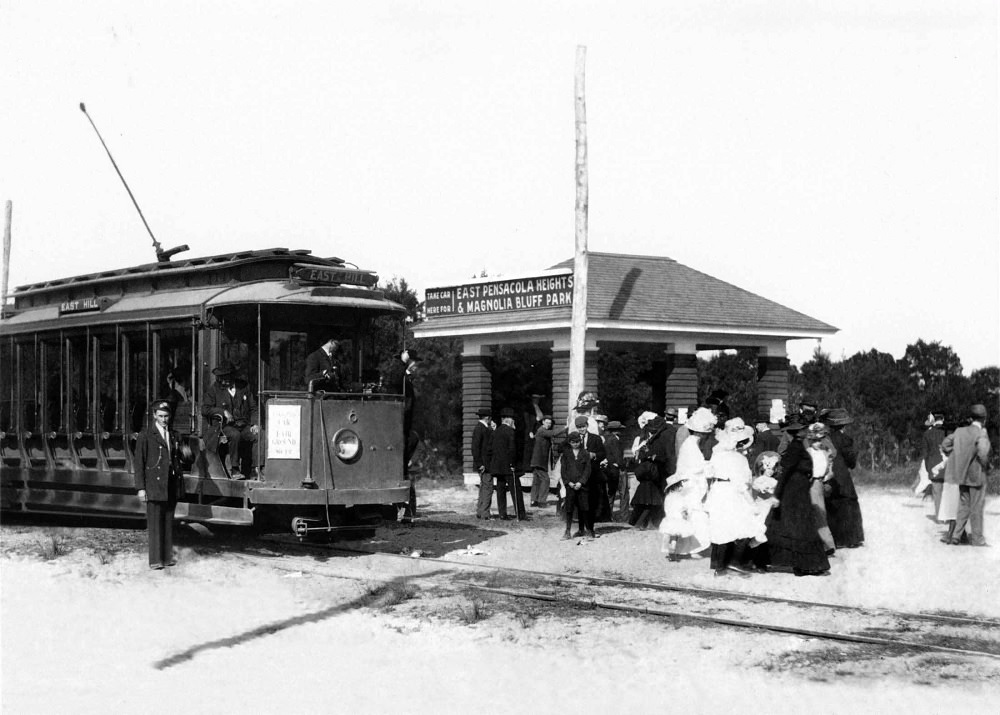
(578, 329)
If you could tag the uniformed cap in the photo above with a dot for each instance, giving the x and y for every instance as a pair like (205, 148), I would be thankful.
(161, 405)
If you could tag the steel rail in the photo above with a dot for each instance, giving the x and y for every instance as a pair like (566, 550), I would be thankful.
(660, 613)
(659, 586)
(788, 630)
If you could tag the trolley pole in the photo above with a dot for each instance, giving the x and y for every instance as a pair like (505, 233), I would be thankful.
(578, 329)
(6, 256)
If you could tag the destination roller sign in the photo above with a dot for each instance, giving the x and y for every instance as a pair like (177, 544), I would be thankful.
(500, 296)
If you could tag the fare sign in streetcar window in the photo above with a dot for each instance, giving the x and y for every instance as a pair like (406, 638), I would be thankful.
(284, 431)
(500, 296)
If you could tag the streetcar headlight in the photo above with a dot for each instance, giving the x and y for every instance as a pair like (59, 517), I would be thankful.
(347, 445)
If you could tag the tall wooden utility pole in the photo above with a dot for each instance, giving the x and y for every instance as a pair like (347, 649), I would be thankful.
(578, 330)
(6, 257)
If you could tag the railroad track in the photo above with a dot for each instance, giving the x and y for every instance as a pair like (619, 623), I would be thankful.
(953, 634)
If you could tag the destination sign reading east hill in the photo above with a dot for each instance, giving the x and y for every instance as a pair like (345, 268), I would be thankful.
(500, 296)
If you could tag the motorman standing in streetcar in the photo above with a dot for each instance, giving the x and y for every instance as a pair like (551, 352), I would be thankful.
(321, 371)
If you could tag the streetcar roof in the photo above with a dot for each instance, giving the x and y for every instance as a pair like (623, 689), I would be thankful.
(163, 291)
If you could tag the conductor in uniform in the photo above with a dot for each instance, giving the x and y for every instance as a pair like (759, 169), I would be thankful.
(157, 478)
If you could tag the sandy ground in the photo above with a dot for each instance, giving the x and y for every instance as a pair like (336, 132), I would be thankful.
(85, 627)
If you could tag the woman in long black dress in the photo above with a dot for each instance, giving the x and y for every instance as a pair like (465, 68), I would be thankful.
(792, 532)
(843, 510)
(651, 459)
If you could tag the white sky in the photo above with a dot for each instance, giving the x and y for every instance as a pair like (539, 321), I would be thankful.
(839, 158)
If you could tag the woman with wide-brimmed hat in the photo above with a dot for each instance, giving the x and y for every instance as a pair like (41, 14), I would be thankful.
(842, 508)
(731, 517)
(685, 524)
(792, 535)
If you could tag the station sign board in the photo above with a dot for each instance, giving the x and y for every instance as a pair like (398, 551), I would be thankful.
(550, 291)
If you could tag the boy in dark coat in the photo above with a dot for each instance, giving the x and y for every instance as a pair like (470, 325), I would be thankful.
(575, 465)
(157, 479)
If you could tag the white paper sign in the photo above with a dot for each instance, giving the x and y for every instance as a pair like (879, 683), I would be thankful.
(284, 428)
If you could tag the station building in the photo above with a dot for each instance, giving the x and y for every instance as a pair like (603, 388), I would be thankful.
(647, 304)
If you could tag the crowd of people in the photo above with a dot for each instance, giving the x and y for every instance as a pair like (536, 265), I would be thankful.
(778, 495)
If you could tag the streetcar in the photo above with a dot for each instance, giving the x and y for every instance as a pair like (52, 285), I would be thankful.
(83, 358)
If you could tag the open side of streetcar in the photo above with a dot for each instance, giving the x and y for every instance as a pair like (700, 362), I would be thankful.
(81, 360)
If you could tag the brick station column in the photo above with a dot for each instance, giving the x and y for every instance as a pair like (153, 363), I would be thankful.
(681, 388)
(560, 382)
(477, 393)
(772, 382)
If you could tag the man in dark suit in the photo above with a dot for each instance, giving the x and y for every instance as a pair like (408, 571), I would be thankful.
(321, 371)
(968, 450)
(482, 440)
(502, 458)
(233, 419)
(410, 438)
(157, 479)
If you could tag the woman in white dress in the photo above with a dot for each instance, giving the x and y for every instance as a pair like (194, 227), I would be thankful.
(685, 524)
(731, 515)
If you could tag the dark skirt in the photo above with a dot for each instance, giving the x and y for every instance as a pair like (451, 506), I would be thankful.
(844, 518)
(647, 494)
(793, 541)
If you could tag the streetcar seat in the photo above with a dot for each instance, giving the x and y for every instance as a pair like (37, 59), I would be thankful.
(112, 447)
(62, 452)
(34, 446)
(10, 450)
(85, 447)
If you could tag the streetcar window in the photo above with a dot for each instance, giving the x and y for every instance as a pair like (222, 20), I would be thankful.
(52, 385)
(137, 395)
(28, 387)
(173, 378)
(286, 360)
(240, 354)
(108, 383)
(78, 384)
(8, 400)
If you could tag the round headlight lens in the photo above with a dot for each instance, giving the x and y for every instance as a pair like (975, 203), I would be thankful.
(347, 445)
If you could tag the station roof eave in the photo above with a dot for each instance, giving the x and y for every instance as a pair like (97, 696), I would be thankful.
(643, 330)
(644, 295)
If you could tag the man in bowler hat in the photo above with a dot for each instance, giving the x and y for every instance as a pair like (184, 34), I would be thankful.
(233, 419)
(482, 442)
(158, 481)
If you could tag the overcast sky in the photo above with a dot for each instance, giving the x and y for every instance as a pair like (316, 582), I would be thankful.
(839, 158)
